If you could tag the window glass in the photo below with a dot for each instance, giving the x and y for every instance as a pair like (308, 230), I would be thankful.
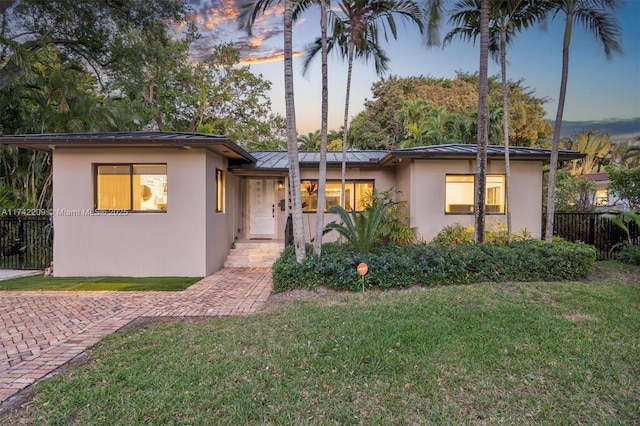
(131, 187)
(354, 193)
(150, 187)
(220, 195)
(114, 188)
(460, 194)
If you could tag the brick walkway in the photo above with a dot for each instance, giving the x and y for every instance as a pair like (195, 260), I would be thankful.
(41, 331)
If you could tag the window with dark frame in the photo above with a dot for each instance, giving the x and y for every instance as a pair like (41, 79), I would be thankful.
(131, 187)
(460, 194)
(355, 192)
(220, 191)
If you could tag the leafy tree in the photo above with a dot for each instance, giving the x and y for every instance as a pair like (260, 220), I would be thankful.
(84, 30)
(381, 124)
(626, 185)
(598, 18)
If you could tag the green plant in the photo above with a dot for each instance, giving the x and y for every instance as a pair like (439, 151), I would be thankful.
(360, 229)
(453, 235)
(399, 266)
(622, 219)
(394, 226)
(630, 255)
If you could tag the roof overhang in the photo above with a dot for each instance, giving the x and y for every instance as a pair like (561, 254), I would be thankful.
(469, 152)
(128, 140)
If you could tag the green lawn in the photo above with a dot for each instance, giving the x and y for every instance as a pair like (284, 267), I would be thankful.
(39, 282)
(510, 353)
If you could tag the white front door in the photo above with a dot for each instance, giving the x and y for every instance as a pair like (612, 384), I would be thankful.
(261, 208)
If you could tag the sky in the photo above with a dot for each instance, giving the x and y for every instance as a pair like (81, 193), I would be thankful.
(601, 93)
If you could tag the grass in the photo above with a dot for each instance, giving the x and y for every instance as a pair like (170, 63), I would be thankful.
(509, 353)
(39, 282)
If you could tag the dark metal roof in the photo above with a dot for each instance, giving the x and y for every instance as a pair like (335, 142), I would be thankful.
(48, 142)
(470, 151)
(279, 159)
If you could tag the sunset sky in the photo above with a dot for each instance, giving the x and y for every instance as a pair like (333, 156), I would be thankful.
(600, 91)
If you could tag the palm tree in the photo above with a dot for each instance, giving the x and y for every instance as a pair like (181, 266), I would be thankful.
(322, 166)
(249, 13)
(483, 131)
(597, 17)
(356, 33)
(506, 18)
(310, 141)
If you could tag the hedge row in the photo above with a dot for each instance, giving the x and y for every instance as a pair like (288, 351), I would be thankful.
(428, 265)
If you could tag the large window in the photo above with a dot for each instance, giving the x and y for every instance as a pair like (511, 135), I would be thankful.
(131, 187)
(460, 194)
(354, 194)
(219, 191)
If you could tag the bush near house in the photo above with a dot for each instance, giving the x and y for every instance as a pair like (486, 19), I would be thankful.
(401, 266)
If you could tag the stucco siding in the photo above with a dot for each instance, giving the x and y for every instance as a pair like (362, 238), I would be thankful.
(428, 195)
(134, 244)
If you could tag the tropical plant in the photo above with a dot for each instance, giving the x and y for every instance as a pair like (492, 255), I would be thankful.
(507, 17)
(360, 229)
(355, 31)
(597, 150)
(394, 225)
(623, 219)
(598, 18)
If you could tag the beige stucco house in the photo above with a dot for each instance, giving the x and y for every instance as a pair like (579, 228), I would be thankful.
(172, 204)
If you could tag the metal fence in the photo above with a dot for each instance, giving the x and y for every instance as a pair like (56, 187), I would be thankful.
(594, 229)
(26, 242)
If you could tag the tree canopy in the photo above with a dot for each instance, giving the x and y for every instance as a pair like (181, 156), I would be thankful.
(383, 122)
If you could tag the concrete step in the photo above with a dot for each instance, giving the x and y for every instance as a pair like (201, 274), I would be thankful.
(254, 254)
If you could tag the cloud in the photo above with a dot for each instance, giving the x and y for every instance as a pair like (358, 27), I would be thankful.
(218, 22)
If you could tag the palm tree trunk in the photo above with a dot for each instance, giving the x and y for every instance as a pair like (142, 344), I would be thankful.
(345, 127)
(557, 128)
(322, 167)
(292, 137)
(483, 131)
(505, 129)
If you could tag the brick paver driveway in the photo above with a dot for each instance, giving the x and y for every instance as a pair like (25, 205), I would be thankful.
(41, 331)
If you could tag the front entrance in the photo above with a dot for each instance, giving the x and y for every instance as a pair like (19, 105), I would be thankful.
(262, 222)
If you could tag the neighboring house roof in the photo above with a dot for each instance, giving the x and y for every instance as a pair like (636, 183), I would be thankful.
(596, 177)
(48, 142)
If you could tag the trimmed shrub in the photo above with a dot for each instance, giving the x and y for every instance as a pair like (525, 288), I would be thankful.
(400, 266)
(629, 254)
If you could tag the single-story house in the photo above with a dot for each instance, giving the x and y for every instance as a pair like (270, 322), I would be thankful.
(172, 204)
(603, 198)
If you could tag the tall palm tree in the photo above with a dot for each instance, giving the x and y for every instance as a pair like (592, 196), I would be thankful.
(597, 16)
(506, 18)
(322, 167)
(249, 13)
(483, 130)
(355, 31)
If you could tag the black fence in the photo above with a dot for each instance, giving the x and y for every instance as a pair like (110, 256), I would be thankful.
(594, 229)
(26, 242)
